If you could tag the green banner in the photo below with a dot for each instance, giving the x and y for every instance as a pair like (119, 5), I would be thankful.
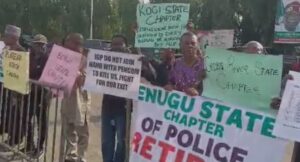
(243, 79)
(161, 25)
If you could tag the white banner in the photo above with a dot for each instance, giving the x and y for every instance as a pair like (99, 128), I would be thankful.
(217, 38)
(113, 73)
(172, 127)
(288, 119)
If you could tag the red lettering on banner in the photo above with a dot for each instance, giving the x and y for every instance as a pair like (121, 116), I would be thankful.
(136, 141)
(166, 148)
(143, 145)
(147, 146)
(179, 156)
(193, 158)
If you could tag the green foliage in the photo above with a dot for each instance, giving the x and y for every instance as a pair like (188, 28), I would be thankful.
(56, 18)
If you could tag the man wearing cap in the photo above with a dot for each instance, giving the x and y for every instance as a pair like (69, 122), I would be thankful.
(11, 41)
(39, 99)
(254, 47)
(11, 38)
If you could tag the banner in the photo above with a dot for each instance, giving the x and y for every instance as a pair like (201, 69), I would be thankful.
(16, 71)
(287, 29)
(113, 73)
(2, 45)
(161, 25)
(62, 68)
(288, 119)
(295, 75)
(172, 127)
(216, 38)
(243, 79)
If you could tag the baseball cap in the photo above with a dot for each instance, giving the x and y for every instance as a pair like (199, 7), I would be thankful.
(39, 38)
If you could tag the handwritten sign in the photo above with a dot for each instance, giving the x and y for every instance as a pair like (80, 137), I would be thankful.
(62, 68)
(16, 71)
(243, 79)
(216, 38)
(172, 127)
(113, 73)
(2, 45)
(288, 119)
(161, 25)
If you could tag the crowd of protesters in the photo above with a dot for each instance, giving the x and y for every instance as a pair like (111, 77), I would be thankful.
(185, 74)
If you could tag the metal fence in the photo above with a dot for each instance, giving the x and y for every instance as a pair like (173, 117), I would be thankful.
(29, 124)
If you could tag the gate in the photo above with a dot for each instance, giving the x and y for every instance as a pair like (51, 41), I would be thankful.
(29, 125)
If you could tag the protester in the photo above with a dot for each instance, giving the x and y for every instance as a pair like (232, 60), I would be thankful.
(75, 108)
(11, 105)
(190, 26)
(114, 116)
(188, 71)
(163, 69)
(254, 47)
(11, 38)
(39, 97)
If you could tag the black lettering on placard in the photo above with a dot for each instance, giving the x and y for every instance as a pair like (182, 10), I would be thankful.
(240, 69)
(114, 76)
(110, 67)
(95, 65)
(98, 57)
(128, 70)
(14, 65)
(173, 9)
(103, 74)
(261, 70)
(154, 29)
(171, 43)
(149, 10)
(13, 75)
(172, 34)
(111, 84)
(14, 56)
(170, 39)
(122, 86)
(95, 73)
(128, 61)
(56, 76)
(126, 78)
(216, 66)
(172, 27)
(117, 60)
(64, 57)
(236, 86)
(151, 20)
(100, 82)
(145, 40)
(158, 45)
(107, 58)
(61, 69)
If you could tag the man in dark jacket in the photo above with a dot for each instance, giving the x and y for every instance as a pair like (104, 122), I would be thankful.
(114, 116)
(39, 99)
